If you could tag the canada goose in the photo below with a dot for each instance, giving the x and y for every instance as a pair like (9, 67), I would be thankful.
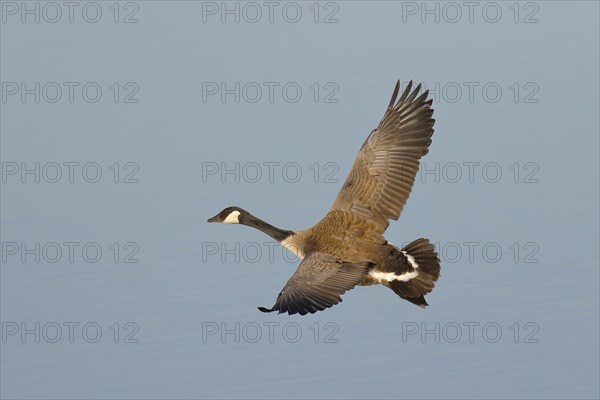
(347, 247)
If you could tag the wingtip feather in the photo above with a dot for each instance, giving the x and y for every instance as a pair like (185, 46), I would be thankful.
(406, 91)
(395, 94)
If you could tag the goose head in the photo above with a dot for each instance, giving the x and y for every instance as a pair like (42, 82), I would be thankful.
(236, 215)
(230, 215)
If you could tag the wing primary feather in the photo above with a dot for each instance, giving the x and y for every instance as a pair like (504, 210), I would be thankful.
(406, 92)
(421, 98)
(396, 90)
(413, 95)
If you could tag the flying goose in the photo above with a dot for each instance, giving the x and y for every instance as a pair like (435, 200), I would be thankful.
(347, 247)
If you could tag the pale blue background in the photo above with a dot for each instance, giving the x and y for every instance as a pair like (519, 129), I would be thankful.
(171, 292)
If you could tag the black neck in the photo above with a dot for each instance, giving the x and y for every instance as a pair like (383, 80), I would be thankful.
(275, 233)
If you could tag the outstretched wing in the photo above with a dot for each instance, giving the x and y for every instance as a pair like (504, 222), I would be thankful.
(318, 284)
(386, 166)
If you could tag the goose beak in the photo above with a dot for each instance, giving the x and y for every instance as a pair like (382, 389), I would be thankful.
(213, 219)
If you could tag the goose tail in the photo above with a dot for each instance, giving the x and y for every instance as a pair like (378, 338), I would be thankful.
(424, 259)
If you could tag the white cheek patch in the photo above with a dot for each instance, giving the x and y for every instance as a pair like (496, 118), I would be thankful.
(232, 218)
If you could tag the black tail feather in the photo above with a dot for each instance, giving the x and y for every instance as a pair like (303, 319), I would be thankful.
(428, 263)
